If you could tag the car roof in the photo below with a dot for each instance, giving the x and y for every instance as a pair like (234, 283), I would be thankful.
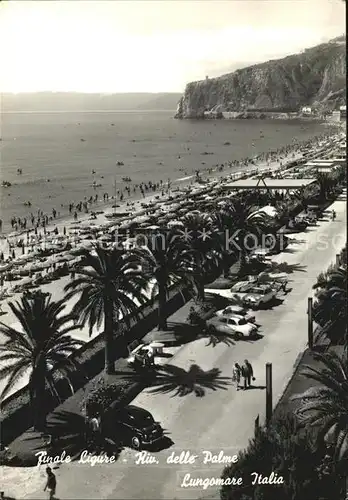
(136, 412)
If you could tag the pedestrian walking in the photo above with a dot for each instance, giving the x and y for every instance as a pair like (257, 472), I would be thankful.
(236, 374)
(333, 215)
(95, 430)
(51, 483)
(247, 374)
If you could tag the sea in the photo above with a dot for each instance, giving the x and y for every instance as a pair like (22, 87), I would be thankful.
(61, 154)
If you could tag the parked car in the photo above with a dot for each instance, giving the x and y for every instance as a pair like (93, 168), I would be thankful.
(234, 325)
(243, 286)
(238, 311)
(277, 281)
(135, 427)
(259, 295)
(310, 218)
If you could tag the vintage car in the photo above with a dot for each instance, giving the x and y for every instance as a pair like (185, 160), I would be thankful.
(259, 296)
(235, 325)
(134, 427)
(238, 311)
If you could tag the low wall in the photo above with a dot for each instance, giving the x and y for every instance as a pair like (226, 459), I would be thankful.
(16, 416)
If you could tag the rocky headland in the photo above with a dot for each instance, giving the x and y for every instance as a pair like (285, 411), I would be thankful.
(316, 77)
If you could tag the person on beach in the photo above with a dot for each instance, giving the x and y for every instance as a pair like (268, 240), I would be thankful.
(247, 374)
(236, 374)
(51, 483)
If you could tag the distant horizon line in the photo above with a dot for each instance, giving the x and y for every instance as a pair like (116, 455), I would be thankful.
(90, 111)
(83, 92)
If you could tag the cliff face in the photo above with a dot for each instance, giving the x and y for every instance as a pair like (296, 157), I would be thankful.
(316, 77)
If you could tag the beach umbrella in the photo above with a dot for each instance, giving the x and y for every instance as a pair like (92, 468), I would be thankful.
(175, 223)
(105, 237)
(52, 259)
(5, 267)
(23, 258)
(31, 267)
(24, 281)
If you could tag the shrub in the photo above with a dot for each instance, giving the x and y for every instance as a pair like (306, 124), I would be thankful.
(286, 452)
(102, 395)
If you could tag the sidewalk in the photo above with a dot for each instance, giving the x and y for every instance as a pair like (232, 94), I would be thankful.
(221, 419)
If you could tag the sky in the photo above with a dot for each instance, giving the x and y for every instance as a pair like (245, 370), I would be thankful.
(151, 46)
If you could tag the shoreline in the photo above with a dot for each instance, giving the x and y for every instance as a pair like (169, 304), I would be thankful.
(184, 182)
(56, 286)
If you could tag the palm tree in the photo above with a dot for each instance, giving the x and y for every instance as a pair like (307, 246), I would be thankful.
(204, 247)
(326, 184)
(42, 348)
(325, 405)
(330, 309)
(168, 261)
(223, 223)
(108, 286)
(248, 224)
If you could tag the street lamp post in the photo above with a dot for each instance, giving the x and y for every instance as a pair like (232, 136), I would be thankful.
(269, 398)
(310, 322)
(338, 260)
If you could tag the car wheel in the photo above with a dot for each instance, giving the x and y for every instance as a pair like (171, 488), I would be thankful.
(238, 335)
(136, 443)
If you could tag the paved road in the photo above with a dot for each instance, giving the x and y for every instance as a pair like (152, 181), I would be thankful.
(222, 419)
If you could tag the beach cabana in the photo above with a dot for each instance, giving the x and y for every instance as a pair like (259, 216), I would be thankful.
(267, 183)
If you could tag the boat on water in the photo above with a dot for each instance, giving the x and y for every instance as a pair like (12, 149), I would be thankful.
(126, 179)
(119, 163)
(6, 184)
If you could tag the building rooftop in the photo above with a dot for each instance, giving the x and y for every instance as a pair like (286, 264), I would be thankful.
(269, 183)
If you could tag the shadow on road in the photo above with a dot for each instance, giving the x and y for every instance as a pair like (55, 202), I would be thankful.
(164, 444)
(270, 305)
(180, 382)
(289, 250)
(294, 241)
(68, 431)
(255, 337)
(284, 267)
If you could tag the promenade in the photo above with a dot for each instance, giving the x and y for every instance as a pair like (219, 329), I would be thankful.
(221, 419)
(56, 287)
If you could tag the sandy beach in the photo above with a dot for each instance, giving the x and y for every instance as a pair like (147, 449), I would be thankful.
(106, 225)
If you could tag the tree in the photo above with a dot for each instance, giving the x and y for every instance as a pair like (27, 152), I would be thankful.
(168, 262)
(223, 223)
(41, 348)
(110, 286)
(330, 308)
(281, 450)
(326, 184)
(204, 249)
(325, 405)
(248, 225)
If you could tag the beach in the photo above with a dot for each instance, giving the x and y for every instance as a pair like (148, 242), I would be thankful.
(58, 152)
(75, 231)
